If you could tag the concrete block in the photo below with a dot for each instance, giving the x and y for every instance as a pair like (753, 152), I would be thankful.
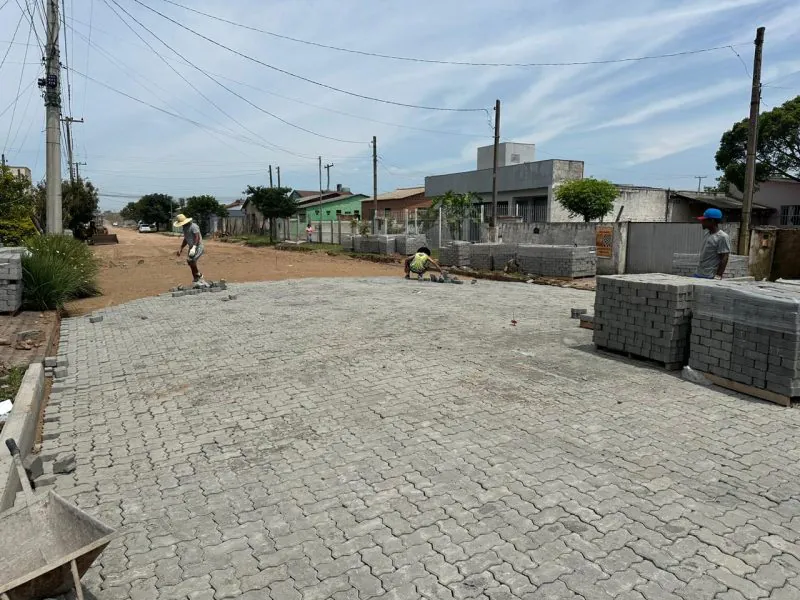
(96, 319)
(50, 361)
(64, 463)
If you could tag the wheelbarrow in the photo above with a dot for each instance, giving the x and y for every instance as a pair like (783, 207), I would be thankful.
(48, 544)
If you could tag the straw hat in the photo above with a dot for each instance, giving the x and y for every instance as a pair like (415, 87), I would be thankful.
(182, 220)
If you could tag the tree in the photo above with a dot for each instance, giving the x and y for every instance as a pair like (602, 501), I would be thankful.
(456, 209)
(589, 198)
(273, 203)
(79, 203)
(155, 208)
(201, 209)
(17, 203)
(130, 212)
(778, 149)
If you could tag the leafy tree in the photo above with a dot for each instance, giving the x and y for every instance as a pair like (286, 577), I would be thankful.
(17, 205)
(273, 203)
(155, 208)
(130, 212)
(456, 209)
(589, 198)
(778, 149)
(79, 203)
(201, 209)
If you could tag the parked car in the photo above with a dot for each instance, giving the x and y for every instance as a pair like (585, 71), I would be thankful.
(145, 228)
(115, 224)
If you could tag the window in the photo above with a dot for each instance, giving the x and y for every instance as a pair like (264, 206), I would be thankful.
(338, 212)
(790, 215)
(515, 158)
(327, 212)
(502, 209)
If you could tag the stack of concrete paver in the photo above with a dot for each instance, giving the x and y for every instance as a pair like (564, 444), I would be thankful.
(686, 265)
(558, 261)
(455, 254)
(647, 315)
(387, 244)
(408, 244)
(480, 257)
(502, 254)
(369, 244)
(10, 279)
(356, 243)
(748, 333)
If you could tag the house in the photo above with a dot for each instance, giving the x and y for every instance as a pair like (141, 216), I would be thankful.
(235, 208)
(779, 194)
(687, 206)
(20, 172)
(525, 187)
(340, 205)
(396, 201)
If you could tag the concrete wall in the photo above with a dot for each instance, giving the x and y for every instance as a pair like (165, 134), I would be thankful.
(551, 234)
(637, 204)
(525, 153)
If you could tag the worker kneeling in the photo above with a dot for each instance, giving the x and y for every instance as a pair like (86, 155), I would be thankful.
(420, 263)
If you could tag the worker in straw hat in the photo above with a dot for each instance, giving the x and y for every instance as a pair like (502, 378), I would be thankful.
(193, 239)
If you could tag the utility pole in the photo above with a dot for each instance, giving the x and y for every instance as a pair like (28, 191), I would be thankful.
(3, 160)
(52, 102)
(320, 200)
(68, 121)
(278, 169)
(700, 181)
(78, 170)
(752, 145)
(374, 184)
(328, 168)
(494, 169)
(270, 176)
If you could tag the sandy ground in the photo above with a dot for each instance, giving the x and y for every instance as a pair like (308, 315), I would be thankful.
(146, 265)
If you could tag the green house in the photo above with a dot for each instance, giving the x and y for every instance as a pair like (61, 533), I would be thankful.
(333, 206)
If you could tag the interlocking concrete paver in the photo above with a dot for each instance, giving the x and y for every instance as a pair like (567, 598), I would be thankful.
(382, 438)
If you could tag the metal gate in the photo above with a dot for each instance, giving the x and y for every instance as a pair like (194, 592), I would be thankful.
(651, 245)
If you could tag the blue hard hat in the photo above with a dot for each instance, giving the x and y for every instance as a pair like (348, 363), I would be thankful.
(711, 213)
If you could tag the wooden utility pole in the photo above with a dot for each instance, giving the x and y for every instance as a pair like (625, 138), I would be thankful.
(494, 168)
(374, 184)
(270, 176)
(328, 168)
(51, 85)
(278, 169)
(700, 181)
(752, 146)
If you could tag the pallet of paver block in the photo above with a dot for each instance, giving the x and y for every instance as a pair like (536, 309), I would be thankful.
(370, 244)
(409, 244)
(10, 279)
(356, 241)
(557, 261)
(502, 254)
(686, 265)
(346, 241)
(480, 257)
(455, 254)
(748, 336)
(647, 316)
(387, 244)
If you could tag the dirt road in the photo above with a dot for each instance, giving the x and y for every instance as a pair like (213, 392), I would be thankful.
(145, 264)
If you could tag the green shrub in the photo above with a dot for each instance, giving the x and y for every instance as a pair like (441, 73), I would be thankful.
(15, 231)
(57, 269)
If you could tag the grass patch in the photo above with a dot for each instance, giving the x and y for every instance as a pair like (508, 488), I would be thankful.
(10, 381)
(57, 269)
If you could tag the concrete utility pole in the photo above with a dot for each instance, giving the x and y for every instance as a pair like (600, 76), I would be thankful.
(752, 146)
(494, 169)
(700, 181)
(52, 103)
(270, 176)
(328, 168)
(78, 169)
(320, 200)
(278, 169)
(68, 121)
(374, 184)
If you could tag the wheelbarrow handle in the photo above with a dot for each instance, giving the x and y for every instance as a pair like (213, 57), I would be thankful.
(12, 447)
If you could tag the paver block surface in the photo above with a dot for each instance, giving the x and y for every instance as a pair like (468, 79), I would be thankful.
(364, 438)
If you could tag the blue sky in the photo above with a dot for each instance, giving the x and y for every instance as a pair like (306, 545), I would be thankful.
(654, 122)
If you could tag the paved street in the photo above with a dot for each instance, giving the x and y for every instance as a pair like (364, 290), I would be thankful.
(349, 439)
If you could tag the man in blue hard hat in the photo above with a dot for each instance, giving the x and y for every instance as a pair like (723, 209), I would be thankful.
(716, 246)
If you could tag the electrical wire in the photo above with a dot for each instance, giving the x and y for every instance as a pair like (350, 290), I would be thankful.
(33, 22)
(7, 108)
(446, 62)
(89, 43)
(19, 88)
(306, 79)
(66, 56)
(191, 121)
(13, 38)
(289, 123)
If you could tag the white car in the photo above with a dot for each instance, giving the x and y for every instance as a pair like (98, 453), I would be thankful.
(145, 228)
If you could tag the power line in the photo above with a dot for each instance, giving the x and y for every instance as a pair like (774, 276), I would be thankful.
(6, 109)
(446, 62)
(19, 87)
(289, 123)
(13, 38)
(306, 79)
(86, 67)
(188, 120)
